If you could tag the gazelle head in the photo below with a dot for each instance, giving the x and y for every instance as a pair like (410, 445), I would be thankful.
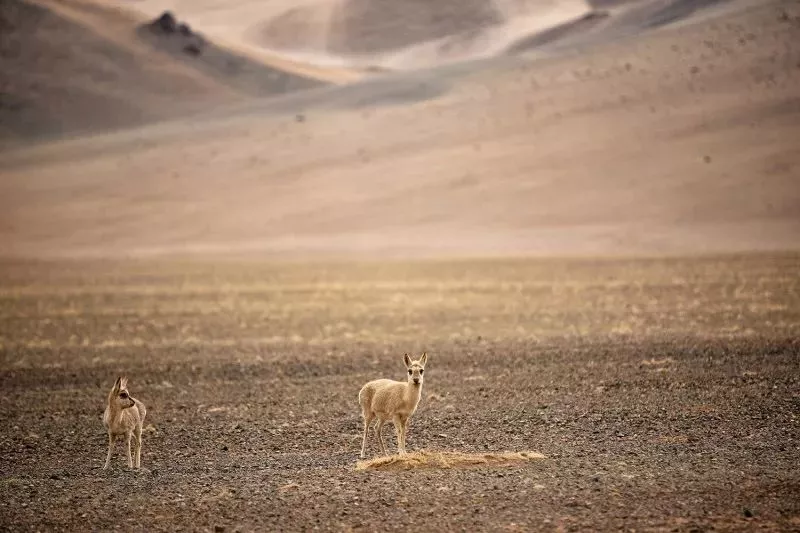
(119, 396)
(415, 368)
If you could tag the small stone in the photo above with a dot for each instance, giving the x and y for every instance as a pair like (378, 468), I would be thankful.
(193, 49)
(747, 512)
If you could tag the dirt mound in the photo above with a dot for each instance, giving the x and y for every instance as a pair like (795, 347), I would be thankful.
(426, 459)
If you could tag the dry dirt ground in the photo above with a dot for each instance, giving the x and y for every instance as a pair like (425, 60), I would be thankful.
(664, 393)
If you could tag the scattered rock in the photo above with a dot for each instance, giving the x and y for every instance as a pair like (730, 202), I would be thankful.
(193, 49)
(168, 26)
(166, 23)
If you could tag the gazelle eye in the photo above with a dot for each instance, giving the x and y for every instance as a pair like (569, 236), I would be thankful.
(409, 372)
(421, 371)
(123, 395)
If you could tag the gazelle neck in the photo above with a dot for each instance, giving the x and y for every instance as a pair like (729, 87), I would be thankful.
(413, 392)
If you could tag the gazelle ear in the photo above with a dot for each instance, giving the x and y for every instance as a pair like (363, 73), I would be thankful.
(123, 383)
(118, 384)
(407, 360)
(424, 358)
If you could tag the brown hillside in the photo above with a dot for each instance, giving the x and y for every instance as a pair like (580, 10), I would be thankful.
(71, 68)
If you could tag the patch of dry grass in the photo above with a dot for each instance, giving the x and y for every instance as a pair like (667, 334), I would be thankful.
(426, 459)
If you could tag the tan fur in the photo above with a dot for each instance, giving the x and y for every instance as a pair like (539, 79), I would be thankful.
(123, 417)
(385, 399)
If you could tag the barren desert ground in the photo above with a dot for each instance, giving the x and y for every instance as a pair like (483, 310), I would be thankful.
(663, 393)
(592, 228)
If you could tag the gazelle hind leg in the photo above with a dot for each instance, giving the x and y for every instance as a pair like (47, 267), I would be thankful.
(379, 431)
(367, 421)
(110, 449)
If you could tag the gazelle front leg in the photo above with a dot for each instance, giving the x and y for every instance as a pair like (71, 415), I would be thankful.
(130, 459)
(381, 421)
(138, 444)
(404, 421)
(398, 428)
(110, 448)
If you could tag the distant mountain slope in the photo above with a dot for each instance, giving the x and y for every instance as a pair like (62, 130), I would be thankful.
(74, 68)
(676, 141)
(409, 34)
(385, 35)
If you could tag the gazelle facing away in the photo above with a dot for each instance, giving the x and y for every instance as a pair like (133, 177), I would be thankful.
(124, 416)
(386, 399)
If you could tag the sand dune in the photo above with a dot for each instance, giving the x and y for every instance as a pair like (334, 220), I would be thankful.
(675, 141)
(393, 34)
(357, 35)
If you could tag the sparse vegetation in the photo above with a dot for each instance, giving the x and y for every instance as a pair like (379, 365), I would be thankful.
(429, 459)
